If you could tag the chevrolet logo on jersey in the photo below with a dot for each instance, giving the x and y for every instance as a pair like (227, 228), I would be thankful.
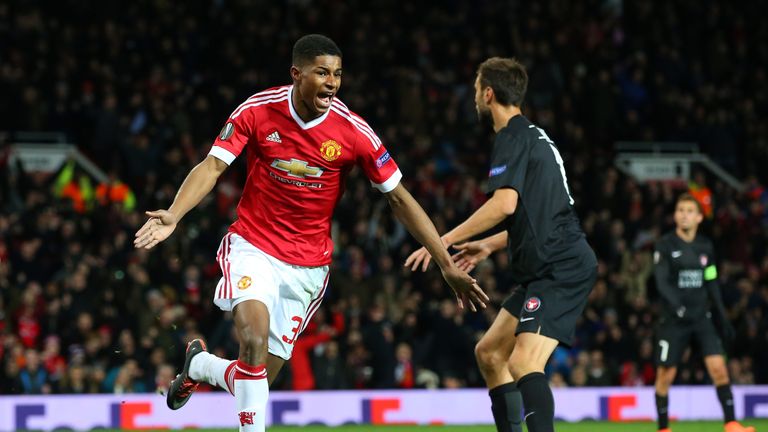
(297, 168)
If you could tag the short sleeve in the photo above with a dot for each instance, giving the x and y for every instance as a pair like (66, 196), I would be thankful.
(234, 136)
(659, 253)
(376, 162)
(710, 266)
(661, 263)
(711, 251)
(509, 163)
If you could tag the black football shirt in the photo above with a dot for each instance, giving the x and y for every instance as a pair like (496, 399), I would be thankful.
(544, 228)
(682, 269)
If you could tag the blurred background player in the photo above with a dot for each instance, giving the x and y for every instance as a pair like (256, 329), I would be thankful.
(684, 264)
(550, 258)
(301, 143)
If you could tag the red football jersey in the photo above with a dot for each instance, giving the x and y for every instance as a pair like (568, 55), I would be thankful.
(296, 172)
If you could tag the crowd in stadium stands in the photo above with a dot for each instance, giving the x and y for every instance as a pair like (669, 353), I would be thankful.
(143, 88)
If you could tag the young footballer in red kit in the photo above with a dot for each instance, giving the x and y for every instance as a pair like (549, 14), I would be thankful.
(302, 142)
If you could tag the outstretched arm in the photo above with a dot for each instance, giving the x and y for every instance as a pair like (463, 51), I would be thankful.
(412, 216)
(196, 186)
(502, 204)
(472, 252)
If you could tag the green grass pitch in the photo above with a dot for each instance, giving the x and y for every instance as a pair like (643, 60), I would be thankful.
(760, 424)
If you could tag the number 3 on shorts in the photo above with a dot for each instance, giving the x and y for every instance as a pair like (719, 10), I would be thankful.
(664, 345)
(295, 330)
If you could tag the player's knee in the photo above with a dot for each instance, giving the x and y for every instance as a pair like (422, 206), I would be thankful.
(719, 374)
(662, 385)
(488, 356)
(664, 377)
(253, 341)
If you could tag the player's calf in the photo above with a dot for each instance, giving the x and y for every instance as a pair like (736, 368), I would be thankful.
(492, 352)
(527, 365)
(665, 376)
(252, 323)
(250, 380)
(506, 401)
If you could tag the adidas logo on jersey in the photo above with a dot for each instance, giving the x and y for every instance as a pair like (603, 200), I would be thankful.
(274, 137)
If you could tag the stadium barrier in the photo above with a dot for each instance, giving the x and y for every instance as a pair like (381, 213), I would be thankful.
(468, 406)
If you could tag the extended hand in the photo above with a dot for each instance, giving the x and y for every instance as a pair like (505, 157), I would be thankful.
(421, 256)
(160, 225)
(471, 253)
(465, 287)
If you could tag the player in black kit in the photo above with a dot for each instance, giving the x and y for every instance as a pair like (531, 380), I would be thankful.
(684, 266)
(549, 255)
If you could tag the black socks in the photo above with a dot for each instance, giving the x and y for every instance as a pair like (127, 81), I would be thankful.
(723, 393)
(538, 401)
(507, 407)
(726, 401)
(662, 403)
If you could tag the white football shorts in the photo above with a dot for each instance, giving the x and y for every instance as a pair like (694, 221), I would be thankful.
(291, 293)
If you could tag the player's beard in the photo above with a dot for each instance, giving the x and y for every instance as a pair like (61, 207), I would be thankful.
(485, 118)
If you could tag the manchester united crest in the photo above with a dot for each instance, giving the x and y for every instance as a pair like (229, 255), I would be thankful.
(330, 150)
(244, 282)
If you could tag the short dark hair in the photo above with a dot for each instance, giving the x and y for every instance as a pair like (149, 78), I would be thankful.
(313, 45)
(686, 197)
(507, 78)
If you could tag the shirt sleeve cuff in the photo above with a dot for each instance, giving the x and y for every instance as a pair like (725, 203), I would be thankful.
(222, 154)
(390, 183)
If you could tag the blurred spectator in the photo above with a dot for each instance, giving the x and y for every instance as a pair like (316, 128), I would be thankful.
(579, 377)
(75, 381)
(329, 369)
(703, 194)
(116, 192)
(557, 380)
(453, 381)
(125, 379)
(378, 338)
(53, 361)
(32, 378)
(404, 371)
(77, 190)
(597, 374)
(165, 374)
(316, 333)
(357, 361)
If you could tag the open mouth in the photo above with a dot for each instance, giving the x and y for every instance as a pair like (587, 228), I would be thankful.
(324, 99)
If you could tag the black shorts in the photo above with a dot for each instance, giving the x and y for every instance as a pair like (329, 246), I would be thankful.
(551, 306)
(674, 336)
